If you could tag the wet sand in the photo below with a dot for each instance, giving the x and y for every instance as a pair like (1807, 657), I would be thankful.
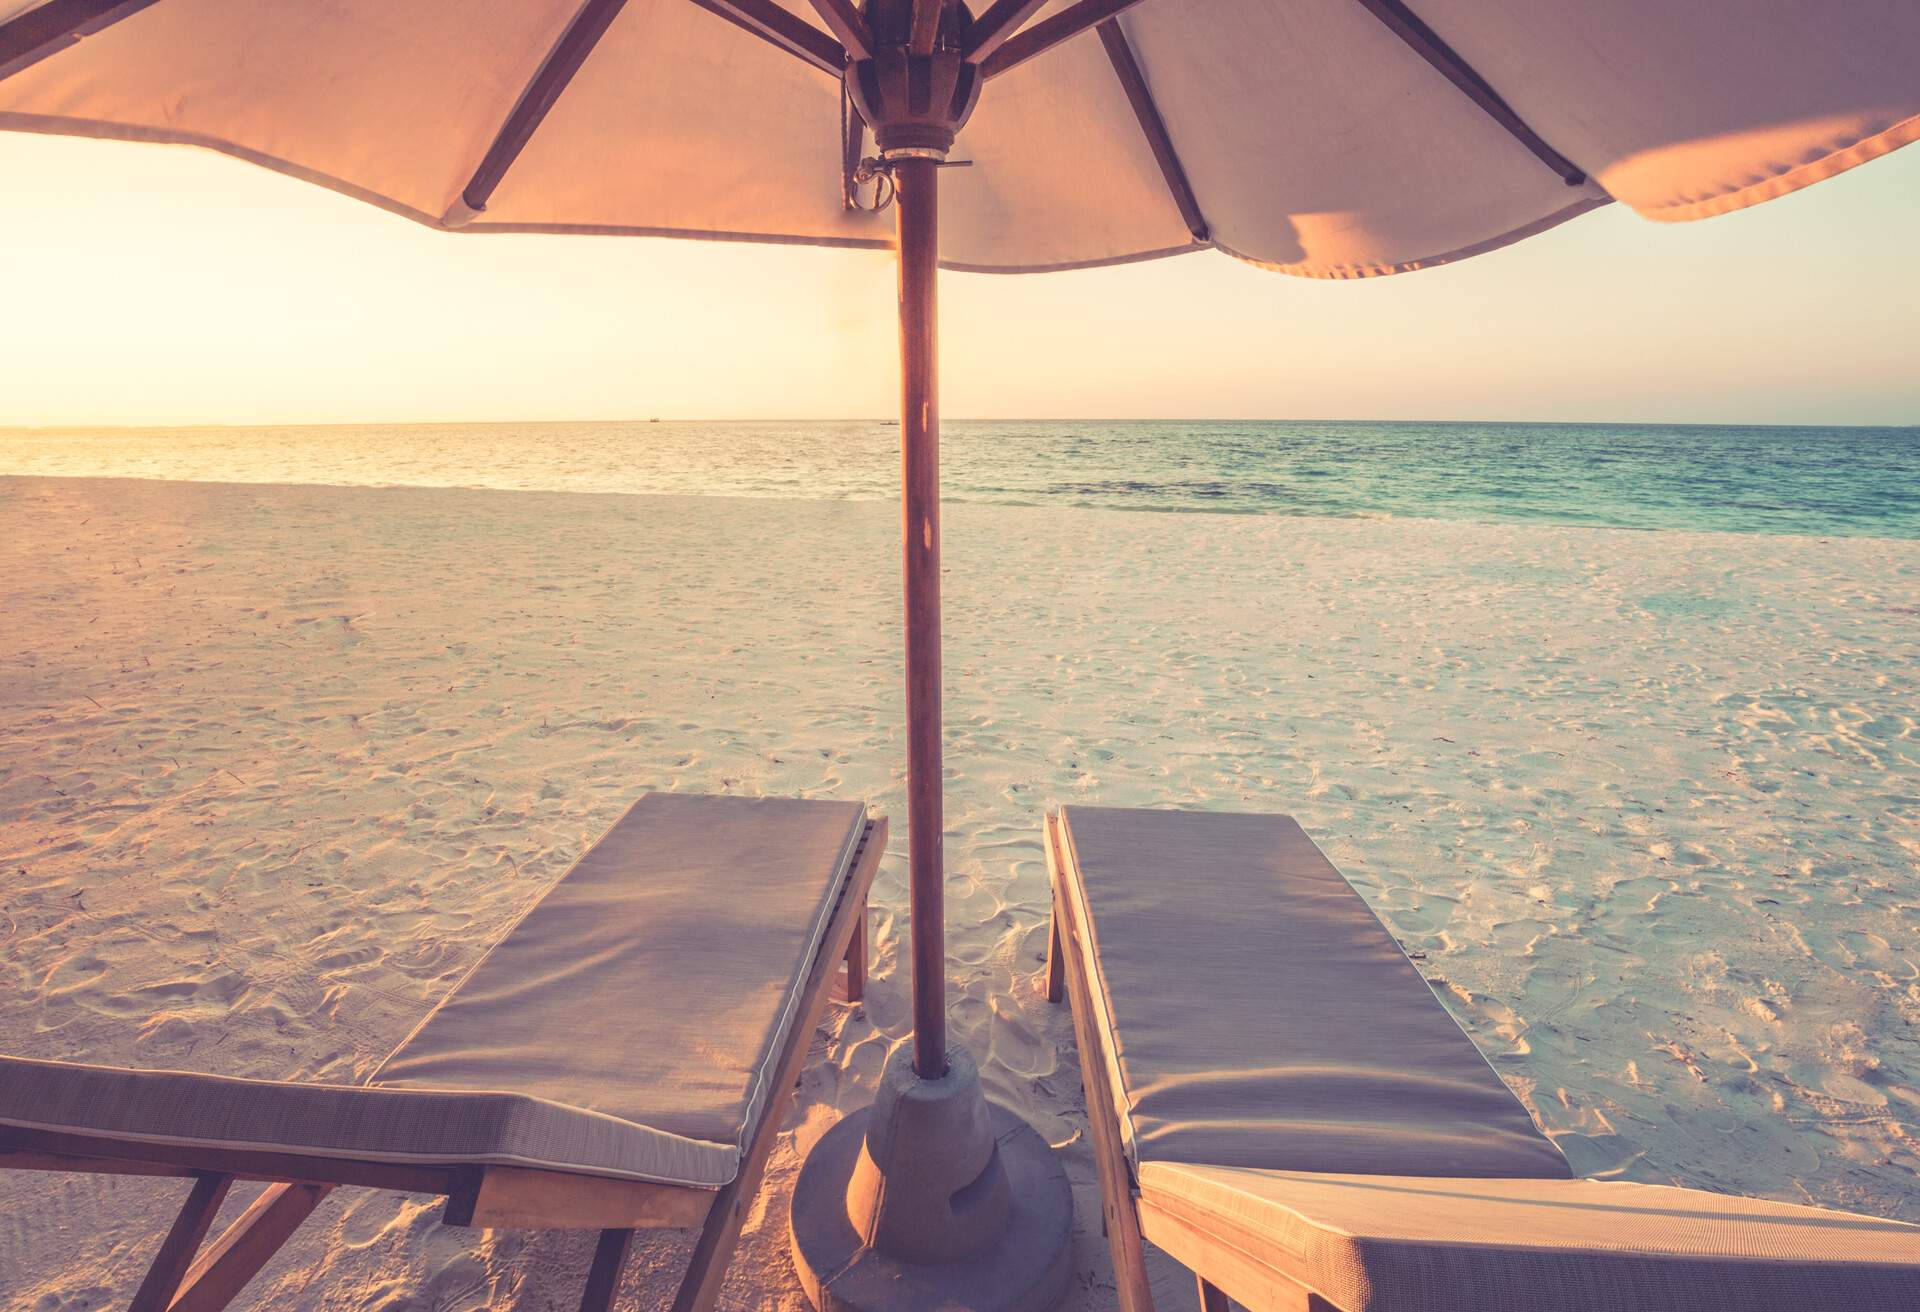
(276, 763)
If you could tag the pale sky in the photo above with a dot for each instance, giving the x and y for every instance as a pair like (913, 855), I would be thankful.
(166, 285)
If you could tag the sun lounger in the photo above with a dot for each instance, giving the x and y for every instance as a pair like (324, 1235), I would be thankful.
(620, 1059)
(1276, 1099)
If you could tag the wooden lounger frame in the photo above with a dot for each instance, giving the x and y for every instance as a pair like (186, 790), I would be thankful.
(1130, 1217)
(185, 1278)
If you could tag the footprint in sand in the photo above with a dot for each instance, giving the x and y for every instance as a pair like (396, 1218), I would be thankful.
(372, 1217)
(864, 1060)
(343, 958)
(213, 995)
(463, 1283)
(1014, 1044)
(1875, 953)
(73, 974)
(970, 1015)
(1497, 1020)
(167, 1032)
(84, 1299)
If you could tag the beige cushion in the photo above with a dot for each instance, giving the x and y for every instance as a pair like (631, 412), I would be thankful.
(347, 1121)
(1257, 1013)
(1393, 1244)
(625, 1026)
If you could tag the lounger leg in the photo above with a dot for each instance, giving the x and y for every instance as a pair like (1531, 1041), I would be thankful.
(1211, 1299)
(856, 978)
(603, 1278)
(1056, 963)
(182, 1242)
(248, 1244)
(700, 1287)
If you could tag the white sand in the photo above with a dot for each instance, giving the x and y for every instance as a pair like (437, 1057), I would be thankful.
(277, 762)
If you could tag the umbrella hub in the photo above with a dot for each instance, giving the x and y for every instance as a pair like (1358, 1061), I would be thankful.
(914, 103)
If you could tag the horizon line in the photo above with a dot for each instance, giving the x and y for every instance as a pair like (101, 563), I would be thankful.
(892, 421)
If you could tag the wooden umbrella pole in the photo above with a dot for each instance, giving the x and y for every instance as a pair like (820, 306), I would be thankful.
(916, 183)
(867, 1226)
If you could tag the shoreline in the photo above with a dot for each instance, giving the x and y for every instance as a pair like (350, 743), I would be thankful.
(1541, 522)
(278, 760)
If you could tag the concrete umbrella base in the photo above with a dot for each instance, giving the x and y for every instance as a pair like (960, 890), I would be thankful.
(932, 1198)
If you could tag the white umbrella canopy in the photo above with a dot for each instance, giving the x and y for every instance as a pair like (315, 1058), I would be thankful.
(1330, 138)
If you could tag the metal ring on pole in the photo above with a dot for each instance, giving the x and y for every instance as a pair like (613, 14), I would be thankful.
(876, 170)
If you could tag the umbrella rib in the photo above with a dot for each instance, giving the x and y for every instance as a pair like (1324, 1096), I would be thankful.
(926, 26)
(991, 30)
(589, 24)
(1050, 32)
(848, 25)
(52, 27)
(771, 23)
(1134, 83)
(1426, 43)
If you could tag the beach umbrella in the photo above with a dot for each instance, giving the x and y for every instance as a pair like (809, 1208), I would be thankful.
(1328, 138)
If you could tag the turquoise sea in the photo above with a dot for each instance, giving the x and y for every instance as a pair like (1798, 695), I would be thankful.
(1862, 482)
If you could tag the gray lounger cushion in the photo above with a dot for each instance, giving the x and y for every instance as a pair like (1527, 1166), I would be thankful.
(1257, 1013)
(1386, 1244)
(626, 1026)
